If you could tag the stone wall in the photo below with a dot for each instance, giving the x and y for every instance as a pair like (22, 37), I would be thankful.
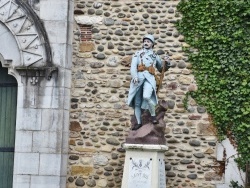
(100, 118)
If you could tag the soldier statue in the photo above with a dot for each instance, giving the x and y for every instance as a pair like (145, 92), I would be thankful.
(143, 86)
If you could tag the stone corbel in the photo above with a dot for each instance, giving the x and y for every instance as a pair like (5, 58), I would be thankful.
(6, 63)
(36, 72)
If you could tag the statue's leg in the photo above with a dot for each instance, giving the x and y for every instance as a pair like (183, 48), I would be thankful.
(147, 93)
(138, 102)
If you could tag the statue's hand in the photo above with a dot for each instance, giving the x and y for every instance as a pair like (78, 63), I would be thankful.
(135, 80)
(166, 58)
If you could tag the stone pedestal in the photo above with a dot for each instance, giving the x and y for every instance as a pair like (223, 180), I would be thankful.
(144, 166)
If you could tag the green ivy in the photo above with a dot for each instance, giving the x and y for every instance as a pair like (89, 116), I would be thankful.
(218, 32)
(235, 185)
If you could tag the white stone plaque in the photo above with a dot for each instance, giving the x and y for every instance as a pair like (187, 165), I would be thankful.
(140, 172)
(162, 177)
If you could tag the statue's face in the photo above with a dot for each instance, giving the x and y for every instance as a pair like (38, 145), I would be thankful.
(147, 44)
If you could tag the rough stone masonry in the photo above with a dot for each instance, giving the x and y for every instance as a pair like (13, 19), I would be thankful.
(100, 118)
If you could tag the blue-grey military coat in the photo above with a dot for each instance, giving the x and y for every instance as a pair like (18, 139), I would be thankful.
(148, 57)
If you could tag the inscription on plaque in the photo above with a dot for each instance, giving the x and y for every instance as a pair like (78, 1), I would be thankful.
(162, 177)
(140, 173)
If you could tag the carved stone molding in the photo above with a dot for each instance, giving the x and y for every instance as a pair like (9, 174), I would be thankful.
(30, 36)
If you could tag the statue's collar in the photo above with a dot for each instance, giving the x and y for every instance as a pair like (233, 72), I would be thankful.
(147, 50)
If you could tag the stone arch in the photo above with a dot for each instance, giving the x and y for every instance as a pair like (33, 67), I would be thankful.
(28, 32)
(9, 49)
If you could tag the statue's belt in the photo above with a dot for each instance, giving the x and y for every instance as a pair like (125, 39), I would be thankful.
(142, 67)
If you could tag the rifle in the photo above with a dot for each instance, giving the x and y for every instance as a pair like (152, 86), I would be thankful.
(162, 76)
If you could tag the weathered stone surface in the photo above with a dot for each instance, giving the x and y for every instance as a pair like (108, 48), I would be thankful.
(115, 83)
(79, 182)
(119, 32)
(100, 48)
(81, 149)
(194, 117)
(190, 166)
(96, 64)
(102, 183)
(169, 154)
(182, 175)
(110, 45)
(108, 21)
(185, 131)
(192, 176)
(206, 129)
(171, 104)
(181, 155)
(212, 176)
(100, 56)
(70, 179)
(91, 183)
(194, 142)
(199, 155)
(75, 126)
(181, 65)
(170, 174)
(100, 160)
(81, 170)
(113, 141)
(112, 62)
(73, 157)
(185, 161)
(168, 167)
(209, 151)
(192, 87)
(201, 109)
(185, 80)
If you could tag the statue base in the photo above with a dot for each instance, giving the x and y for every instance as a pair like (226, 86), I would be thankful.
(149, 133)
(144, 166)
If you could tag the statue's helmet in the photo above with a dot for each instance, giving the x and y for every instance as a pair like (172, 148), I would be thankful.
(150, 37)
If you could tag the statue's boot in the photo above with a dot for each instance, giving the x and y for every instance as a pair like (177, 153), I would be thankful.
(154, 120)
(137, 126)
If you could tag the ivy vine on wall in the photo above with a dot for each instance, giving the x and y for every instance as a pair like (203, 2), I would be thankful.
(218, 32)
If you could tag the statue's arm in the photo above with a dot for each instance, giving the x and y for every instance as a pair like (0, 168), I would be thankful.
(159, 63)
(134, 64)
